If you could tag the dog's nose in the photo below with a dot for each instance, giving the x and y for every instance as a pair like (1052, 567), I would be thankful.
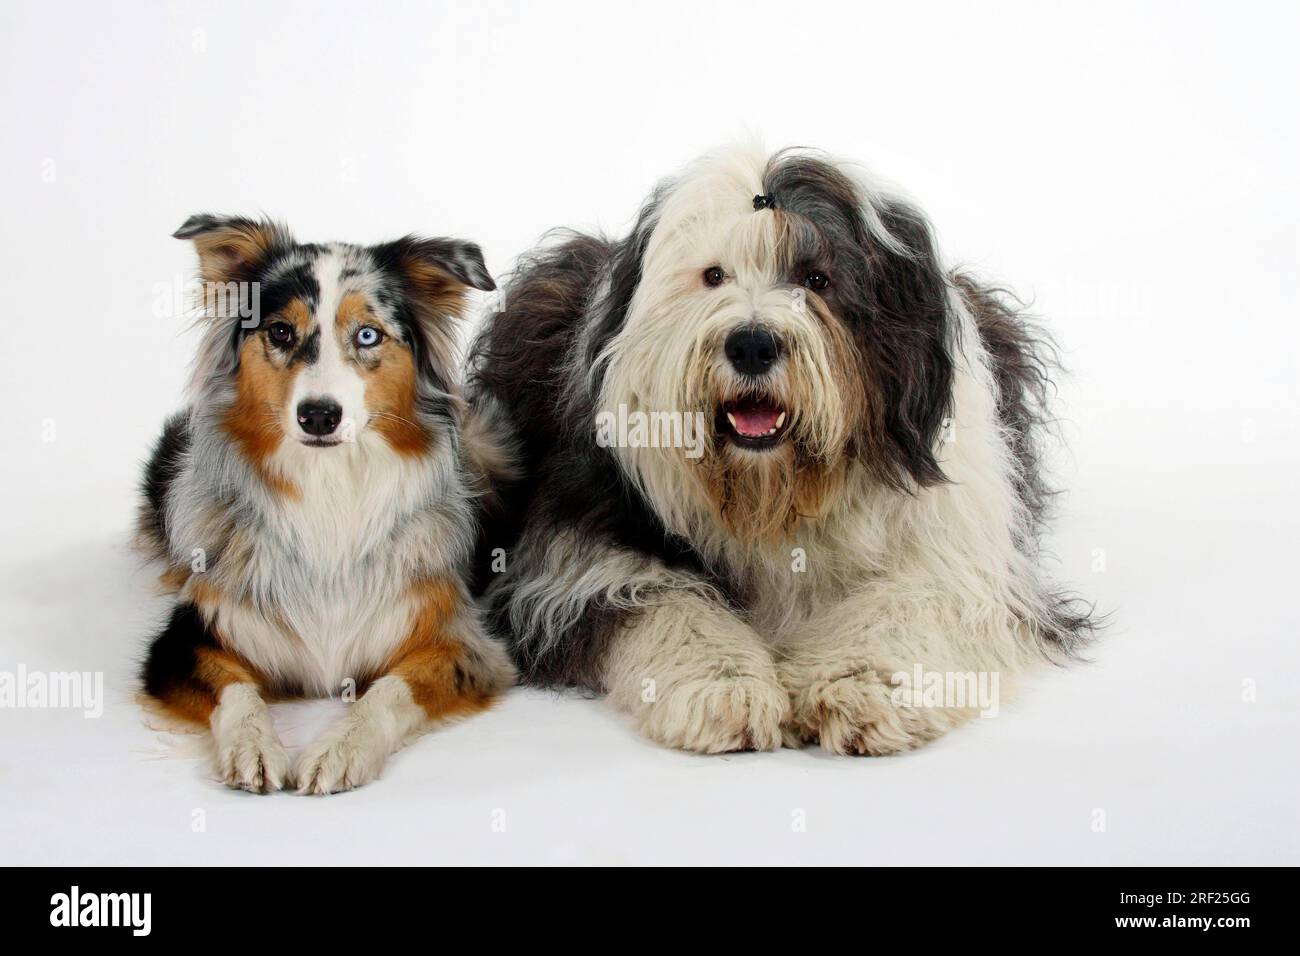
(752, 350)
(319, 416)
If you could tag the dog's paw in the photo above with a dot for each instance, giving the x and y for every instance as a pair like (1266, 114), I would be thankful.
(251, 757)
(348, 755)
(857, 714)
(718, 715)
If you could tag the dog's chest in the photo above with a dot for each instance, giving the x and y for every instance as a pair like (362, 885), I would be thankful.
(332, 573)
(321, 625)
(343, 514)
(778, 607)
(345, 640)
(783, 591)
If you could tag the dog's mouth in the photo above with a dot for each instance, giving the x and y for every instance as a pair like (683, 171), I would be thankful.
(321, 442)
(754, 423)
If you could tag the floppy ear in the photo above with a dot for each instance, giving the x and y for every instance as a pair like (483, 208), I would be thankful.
(231, 248)
(910, 328)
(891, 289)
(435, 275)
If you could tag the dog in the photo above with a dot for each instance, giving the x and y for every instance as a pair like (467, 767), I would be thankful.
(313, 503)
(863, 511)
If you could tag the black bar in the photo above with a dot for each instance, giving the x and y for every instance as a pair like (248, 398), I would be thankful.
(924, 904)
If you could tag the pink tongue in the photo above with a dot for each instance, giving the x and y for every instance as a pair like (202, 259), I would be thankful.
(755, 422)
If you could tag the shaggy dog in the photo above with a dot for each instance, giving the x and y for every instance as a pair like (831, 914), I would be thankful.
(313, 505)
(861, 509)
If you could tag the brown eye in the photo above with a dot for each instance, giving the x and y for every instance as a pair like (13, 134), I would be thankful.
(817, 281)
(714, 275)
(281, 333)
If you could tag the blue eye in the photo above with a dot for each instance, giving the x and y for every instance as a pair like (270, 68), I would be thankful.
(367, 337)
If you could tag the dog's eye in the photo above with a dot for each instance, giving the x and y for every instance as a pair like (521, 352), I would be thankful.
(367, 337)
(281, 333)
(817, 281)
(714, 275)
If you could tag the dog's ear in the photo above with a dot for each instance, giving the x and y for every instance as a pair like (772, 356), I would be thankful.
(463, 261)
(435, 273)
(435, 276)
(232, 248)
(910, 330)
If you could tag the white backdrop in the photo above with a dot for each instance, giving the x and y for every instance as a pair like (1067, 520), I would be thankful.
(1132, 167)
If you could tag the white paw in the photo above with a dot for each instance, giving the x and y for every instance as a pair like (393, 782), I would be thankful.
(250, 756)
(348, 755)
(856, 714)
(717, 715)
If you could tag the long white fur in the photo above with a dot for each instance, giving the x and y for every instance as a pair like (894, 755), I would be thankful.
(693, 676)
(892, 579)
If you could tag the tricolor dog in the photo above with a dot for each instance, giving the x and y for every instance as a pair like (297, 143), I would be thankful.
(313, 504)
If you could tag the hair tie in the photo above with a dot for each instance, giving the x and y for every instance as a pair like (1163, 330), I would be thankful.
(764, 202)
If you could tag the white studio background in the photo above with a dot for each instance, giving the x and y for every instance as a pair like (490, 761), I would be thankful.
(1131, 167)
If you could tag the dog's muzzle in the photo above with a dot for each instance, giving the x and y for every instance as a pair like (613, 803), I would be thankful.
(756, 419)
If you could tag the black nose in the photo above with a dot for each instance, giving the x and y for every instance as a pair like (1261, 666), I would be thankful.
(752, 350)
(319, 417)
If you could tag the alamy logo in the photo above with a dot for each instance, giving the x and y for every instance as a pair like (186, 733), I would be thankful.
(219, 300)
(628, 429)
(103, 909)
(922, 688)
(53, 690)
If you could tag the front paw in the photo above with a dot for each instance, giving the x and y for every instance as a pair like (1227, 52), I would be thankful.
(252, 758)
(347, 756)
(718, 715)
(857, 714)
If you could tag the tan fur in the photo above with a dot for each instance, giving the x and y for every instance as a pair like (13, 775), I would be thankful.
(390, 399)
(439, 297)
(262, 387)
(224, 252)
(445, 677)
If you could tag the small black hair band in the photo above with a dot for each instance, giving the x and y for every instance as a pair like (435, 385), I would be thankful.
(764, 202)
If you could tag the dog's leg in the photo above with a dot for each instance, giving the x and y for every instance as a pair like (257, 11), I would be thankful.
(249, 754)
(850, 670)
(694, 676)
(445, 668)
(193, 677)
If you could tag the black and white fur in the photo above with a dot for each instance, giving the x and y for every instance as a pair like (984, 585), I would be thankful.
(903, 467)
